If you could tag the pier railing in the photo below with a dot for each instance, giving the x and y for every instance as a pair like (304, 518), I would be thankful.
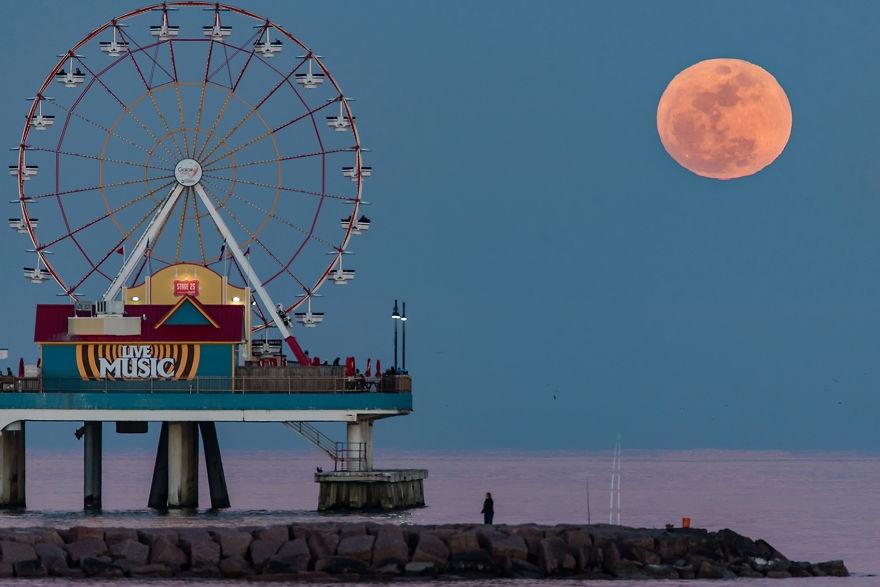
(212, 385)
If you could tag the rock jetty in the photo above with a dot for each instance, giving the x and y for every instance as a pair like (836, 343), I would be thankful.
(357, 551)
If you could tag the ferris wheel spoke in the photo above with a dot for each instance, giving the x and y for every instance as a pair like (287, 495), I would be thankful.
(125, 108)
(253, 110)
(110, 131)
(238, 51)
(183, 210)
(256, 239)
(97, 187)
(284, 188)
(206, 167)
(213, 129)
(282, 220)
(263, 136)
(101, 159)
(116, 246)
(107, 214)
(201, 107)
(201, 236)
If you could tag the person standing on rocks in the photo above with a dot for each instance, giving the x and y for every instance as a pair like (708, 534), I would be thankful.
(488, 510)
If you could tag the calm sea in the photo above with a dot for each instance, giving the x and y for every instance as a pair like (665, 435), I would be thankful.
(810, 506)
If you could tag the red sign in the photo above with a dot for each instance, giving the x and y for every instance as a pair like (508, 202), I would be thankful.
(189, 287)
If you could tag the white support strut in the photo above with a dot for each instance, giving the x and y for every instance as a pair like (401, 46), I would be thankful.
(140, 248)
(243, 262)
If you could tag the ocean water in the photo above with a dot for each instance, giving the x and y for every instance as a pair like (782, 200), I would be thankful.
(810, 506)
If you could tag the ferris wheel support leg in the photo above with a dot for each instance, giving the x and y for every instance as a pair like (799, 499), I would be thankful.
(141, 247)
(251, 276)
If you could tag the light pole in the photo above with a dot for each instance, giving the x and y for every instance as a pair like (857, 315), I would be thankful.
(395, 316)
(403, 320)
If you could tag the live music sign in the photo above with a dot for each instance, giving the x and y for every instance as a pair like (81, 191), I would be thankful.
(188, 287)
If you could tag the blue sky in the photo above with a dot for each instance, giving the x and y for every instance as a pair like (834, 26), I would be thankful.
(547, 245)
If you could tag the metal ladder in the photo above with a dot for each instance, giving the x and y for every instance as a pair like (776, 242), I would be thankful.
(345, 456)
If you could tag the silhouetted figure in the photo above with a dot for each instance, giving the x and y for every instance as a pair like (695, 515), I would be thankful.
(336, 362)
(319, 470)
(488, 510)
(8, 372)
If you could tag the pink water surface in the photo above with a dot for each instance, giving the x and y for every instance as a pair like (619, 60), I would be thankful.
(810, 506)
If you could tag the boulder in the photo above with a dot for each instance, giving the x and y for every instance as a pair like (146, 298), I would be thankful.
(473, 561)
(387, 570)
(461, 542)
(151, 535)
(323, 544)
(390, 548)
(507, 545)
(6, 569)
(671, 548)
(525, 570)
(234, 567)
(358, 546)
(610, 558)
(341, 564)
(261, 550)
(275, 533)
(834, 568)
(431, 549)
(555, 555)
(164, 552)
(292, 557)
(78, 533)
(114, 535)
(29, 568)
(13, 552)
(86, 547)
(54, 559)
(130, 550)
(710, 570)
(202, 553)
(94, 566)
(661, 571)
(346, 530)
(233, 543)
(51, 537)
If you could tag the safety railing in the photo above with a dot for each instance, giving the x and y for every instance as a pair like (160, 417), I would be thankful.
(210, 385)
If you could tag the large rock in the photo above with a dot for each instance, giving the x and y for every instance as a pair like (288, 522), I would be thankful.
(292, 557)
(834, 568)
(114, 535)
(233, 543)
(276, 533)
(431, 549)
(93, 547)
(357, 546)
(29, 568)
(508, 546)
(390, 548)
(473, 561)
(202, 553)
(13, 552)
(130, 550)
(461, 542)
(151, 535)
(54, 559)
(78, 533)
(261, 550)
(100, 566)
(670, 548)
(234, 567)
(556, 556)
(323, 544)
(163, 552)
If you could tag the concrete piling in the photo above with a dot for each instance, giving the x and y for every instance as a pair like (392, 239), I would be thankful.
(183, 465)
(92, 465)
(214, 466)
(12, 466)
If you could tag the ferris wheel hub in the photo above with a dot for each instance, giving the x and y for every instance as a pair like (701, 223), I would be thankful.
(188, 172)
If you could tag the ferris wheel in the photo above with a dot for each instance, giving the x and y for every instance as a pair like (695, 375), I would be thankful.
(192, 132)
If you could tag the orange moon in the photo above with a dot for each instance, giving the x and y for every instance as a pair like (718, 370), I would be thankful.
(724, 118)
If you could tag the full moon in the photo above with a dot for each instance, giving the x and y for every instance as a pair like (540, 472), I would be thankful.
(724, 118)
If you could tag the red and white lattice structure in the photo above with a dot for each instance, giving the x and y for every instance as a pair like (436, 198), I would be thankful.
(192, 132)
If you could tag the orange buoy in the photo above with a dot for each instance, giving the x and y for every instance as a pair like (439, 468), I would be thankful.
(685, 522)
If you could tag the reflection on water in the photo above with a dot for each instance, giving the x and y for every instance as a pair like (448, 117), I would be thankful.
(812, 506)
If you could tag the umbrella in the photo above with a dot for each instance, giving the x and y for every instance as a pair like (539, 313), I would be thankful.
(378, 368)
(21, 368)
(368, 372)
